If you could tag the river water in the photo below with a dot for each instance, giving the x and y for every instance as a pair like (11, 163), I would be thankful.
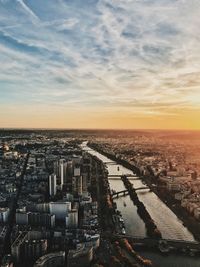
(167, 222)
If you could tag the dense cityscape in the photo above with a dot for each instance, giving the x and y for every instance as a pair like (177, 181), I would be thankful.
(67, 198)
(99, 133)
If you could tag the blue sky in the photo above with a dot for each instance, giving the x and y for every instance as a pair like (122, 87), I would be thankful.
(75, 58)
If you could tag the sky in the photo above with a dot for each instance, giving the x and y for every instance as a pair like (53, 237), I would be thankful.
(100, 64)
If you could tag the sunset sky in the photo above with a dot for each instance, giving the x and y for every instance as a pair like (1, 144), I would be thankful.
(100, 64)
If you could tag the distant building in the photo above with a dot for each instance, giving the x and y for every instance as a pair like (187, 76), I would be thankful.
(194, 175)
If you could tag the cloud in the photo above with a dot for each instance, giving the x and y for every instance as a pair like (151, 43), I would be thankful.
(141, 55)
(28, 10)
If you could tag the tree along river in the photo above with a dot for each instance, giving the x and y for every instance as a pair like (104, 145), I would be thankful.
(167, 222)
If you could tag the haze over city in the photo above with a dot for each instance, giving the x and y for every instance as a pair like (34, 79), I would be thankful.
(100, 64)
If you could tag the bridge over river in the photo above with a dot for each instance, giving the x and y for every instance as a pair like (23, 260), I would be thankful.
(130, 178)
(120, 175)
(125, 192)
(169, 225)
(163, 245)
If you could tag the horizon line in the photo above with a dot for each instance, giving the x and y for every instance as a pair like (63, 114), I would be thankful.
(97, 129)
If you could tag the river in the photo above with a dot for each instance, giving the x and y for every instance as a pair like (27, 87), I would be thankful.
(167, 222)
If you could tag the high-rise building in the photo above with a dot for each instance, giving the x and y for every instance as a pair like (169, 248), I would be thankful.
(35, 219)
(68, 171)
(1, 152)
(61, 167)
(52, 185)
(59, 171)
(77, 169)
(86, 169)
(77, 185)
(41, 219)
(34, 249)
(41, 207)
(56, 168)
(72, 219)
(17, 246)
(60, 209)
(84, 183)
(24, 249)
(21, 218)
(4, 213)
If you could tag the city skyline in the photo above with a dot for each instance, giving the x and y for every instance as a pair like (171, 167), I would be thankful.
(101, 64)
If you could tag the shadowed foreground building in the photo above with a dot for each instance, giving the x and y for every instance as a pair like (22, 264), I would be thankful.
(51, 260)
(80, 257)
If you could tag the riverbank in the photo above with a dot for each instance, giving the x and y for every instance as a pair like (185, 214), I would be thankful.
(151, 227)
(101, 191)
(109, 222)
(188, 221)
(191, 224)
